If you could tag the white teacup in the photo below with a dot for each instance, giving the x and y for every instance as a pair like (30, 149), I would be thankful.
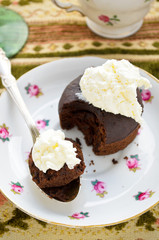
(111, 18)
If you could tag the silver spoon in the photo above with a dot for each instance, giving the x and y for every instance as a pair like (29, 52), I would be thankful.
(9, 82)
(65, 193)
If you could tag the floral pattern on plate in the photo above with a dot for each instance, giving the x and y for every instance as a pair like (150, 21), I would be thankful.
(27, 156)
(16, 188)
(108, 20)
(4, 133)
(80, 215)
(146, 95)
(139, 131)
(41, 124)
(133, 163)
(143, 195)
(100, 188)
(33, 90)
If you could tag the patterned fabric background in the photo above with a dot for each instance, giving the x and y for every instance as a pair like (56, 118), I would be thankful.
(52, 35)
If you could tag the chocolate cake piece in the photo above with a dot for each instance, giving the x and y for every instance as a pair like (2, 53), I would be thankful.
(59, 178)
(106, 132)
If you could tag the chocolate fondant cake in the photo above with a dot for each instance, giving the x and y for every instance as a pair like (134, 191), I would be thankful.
(56, 183)
(105, 131)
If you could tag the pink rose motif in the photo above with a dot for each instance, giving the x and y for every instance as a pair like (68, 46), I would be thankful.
(109, 21)
(104, 18)
(146, 95)
(33, 90)
(78, 215)
(99, 187)
(16, 188)
(132, 163)
(4, 133)
(42, 123)
(139, 131)
(143, 195)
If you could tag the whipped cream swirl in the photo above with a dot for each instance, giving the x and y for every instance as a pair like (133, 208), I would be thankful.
(52, 151)
(112, 87)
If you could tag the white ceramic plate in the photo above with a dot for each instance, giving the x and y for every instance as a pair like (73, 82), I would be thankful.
(110, 193)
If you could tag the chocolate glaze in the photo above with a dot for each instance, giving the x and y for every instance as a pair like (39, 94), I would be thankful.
(117, 126)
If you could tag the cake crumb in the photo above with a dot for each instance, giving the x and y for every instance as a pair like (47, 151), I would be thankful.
(114, 161)
(78, 141)
(126, 158)
(94, 170)
(91, 163)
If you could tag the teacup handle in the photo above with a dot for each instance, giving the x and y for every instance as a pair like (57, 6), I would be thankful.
(69, 7)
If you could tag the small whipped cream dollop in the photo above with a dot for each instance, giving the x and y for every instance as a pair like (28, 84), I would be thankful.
(52, 151)
(112, 87)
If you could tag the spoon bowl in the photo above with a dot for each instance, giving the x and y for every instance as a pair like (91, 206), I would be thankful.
(65, 193)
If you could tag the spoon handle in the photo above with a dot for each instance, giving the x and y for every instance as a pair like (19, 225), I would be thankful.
(9, 82)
